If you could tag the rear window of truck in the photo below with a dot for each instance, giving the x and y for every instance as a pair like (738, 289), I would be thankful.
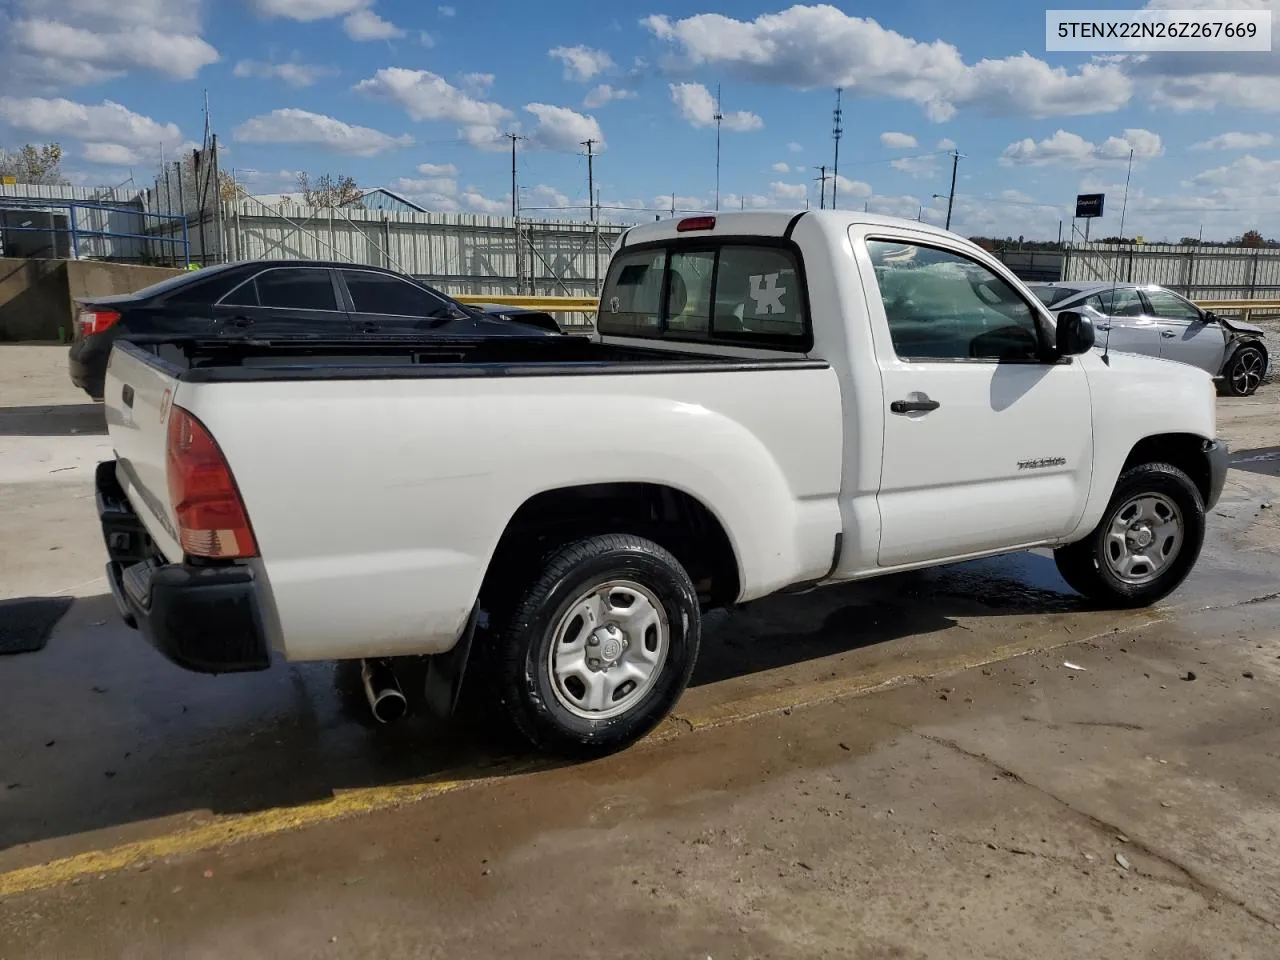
(731, 293)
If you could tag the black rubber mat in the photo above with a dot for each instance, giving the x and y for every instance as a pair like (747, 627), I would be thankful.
(25, 625)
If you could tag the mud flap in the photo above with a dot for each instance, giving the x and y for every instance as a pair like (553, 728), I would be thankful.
(445, 671)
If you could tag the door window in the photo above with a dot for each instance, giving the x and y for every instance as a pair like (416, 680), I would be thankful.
(1169, 306)
(290, 289)
(631, 303)
(689, 292)
(943, 306)
(1122, 302)
(380, 293)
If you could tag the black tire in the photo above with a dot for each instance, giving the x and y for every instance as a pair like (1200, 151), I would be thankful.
(521, 644)
(1243, 374)
(1082, 563)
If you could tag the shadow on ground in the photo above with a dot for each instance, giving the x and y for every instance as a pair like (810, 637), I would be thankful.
(53, 420)
(1262, 460)
(101, 732)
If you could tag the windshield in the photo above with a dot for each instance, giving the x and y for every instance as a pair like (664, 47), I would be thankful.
(1049, 295)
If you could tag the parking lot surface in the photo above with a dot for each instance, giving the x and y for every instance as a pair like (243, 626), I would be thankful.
(968, 762)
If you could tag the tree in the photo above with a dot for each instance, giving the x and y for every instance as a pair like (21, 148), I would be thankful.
(329, 190)
(32, 164)
(195, 170)
(1252, 238)
(1190, 241)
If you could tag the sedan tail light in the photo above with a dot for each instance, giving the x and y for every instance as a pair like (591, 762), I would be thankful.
(95, 321)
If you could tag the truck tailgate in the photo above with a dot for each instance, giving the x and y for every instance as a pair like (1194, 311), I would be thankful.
(138, 397)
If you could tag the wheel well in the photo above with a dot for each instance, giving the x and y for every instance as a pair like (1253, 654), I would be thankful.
(1182, 450)
(669, 517)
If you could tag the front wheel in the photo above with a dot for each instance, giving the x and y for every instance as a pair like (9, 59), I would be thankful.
(599, 647)
(1149, 539)
(1244, 373)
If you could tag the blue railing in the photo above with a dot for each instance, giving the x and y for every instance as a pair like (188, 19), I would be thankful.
(78, 231)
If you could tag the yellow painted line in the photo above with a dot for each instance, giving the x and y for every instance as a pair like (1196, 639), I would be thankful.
(265, 823)
(224, 832)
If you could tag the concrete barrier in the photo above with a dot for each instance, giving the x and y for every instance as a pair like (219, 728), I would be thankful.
(37, 297)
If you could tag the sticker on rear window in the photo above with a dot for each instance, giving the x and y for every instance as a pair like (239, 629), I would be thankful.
(767, 294)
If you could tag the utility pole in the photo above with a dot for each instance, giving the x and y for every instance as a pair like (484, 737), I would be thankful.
(673, 204)
(822, 179)
(515, 206)
(837, 129)
(718, 117)
(591, 179)
(217, 202)
(951, 197)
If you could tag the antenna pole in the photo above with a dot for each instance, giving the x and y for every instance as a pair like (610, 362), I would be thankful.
(515, 195)
(822, 179)
(1115, 271)
(951, 197)
(718, 117)
(837, 130)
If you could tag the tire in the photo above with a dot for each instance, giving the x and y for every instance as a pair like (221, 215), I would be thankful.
(1092, 566)
(1243, 374)
(597, 580)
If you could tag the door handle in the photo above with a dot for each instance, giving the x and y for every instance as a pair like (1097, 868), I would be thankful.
(1168, 334)
(126, 395)
(914, 406)
(371, 327)
(241, 321)
(1102, 326)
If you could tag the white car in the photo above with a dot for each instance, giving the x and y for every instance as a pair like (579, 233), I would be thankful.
(1156, 322)
(773, 402)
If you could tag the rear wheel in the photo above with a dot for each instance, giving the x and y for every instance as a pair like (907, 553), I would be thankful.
(599, 647)
(1244, 373)
(1146, 544)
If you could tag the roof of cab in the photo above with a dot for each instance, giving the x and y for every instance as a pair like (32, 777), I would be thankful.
(768, 223)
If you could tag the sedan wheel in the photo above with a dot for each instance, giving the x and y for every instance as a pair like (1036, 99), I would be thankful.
(1244, 372)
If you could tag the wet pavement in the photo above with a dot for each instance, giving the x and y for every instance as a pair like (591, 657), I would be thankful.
(902, 768)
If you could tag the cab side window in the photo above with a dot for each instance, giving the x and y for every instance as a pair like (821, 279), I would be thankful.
(940, 305)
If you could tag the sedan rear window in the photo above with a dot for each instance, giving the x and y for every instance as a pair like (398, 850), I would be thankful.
(1050, 295)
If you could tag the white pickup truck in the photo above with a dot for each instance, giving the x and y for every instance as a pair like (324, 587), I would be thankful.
(771, 402)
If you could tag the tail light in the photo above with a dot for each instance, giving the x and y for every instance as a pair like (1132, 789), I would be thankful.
(95, 321)
(212, 521)
(696, 223)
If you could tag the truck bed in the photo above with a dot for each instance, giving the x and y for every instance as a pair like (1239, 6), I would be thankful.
(220, 360)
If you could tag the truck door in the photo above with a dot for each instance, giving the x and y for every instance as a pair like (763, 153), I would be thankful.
(988, 438)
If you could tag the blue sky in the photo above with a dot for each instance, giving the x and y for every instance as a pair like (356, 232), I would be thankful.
(416, 97)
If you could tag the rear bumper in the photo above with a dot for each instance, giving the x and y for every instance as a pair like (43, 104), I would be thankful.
(1216, 453)
(206, 619)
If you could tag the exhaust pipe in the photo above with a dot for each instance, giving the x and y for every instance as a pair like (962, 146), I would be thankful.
(382, 690)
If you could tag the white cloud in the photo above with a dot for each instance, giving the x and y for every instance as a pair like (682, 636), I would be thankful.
(897, 141)
(543, 195)
(1248, 173)
(294, 74)
(302, 127)
(305, 10)
(916, 166)
(442, 186)
(698, 106)
(946, 143)
(600, 95)
(794, 147)
(437, 169)
(781, 167)
(447, 11)
(750, 201)
(821, 46)
(477, 84)
(104, 123)
(426, 96)
(1235, 141)
(108, 46)
(473, 200)
(365, 25)
(560, 128)
(581, 63)
(267, 181)
(851, 188)
(789, 191)
(1071, 149)
(114, 154)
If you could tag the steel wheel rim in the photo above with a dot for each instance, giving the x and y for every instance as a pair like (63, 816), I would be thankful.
(1246, 373)
(1144, 537)
(608, 649)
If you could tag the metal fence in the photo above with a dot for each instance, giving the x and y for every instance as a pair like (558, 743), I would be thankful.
(1198, 272)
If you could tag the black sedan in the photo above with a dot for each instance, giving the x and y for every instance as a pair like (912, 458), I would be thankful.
(277, 299)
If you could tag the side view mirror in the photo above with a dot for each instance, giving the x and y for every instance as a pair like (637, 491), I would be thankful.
(1209, 317)
(1076, 334)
